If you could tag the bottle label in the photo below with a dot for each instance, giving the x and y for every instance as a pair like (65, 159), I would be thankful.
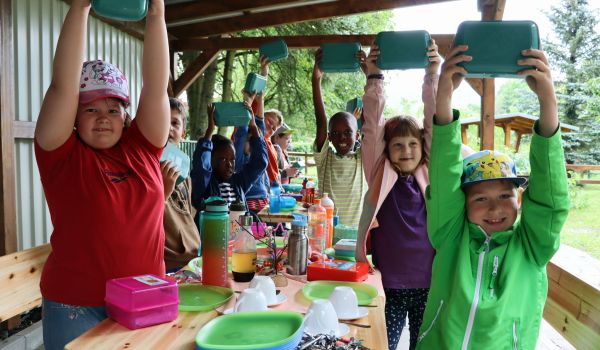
(150, 280)
(243, 261)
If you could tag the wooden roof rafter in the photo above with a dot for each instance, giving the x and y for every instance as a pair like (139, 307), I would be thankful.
(286, 16)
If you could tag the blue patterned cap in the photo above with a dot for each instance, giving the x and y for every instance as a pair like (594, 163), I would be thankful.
(489, 165)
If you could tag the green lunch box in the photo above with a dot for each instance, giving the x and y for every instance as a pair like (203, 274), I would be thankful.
(274, 50)
(354, 104)
(339, 57)
(121, 10)
(179, 159)
(255, 83)
(496, 46)
(402, 50)
(231, 114)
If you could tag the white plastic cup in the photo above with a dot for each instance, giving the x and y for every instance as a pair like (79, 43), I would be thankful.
(321, 318)
(344, 301)
(251, 299)
(266, 285)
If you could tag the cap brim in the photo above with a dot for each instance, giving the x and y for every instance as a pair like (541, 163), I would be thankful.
(86, 97)
(519, 181)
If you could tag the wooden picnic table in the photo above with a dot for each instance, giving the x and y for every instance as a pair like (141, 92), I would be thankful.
(181, 333)
(281, 217)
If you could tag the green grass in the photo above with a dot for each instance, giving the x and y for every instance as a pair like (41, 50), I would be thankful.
(582, 229)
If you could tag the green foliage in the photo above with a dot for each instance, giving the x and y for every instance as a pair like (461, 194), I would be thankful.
(515, 97)
(575, 51)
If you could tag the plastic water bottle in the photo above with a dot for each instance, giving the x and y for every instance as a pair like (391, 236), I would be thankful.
(327, 203)
(214, 229)
(243, 258)
(275, 198)
(317, 226)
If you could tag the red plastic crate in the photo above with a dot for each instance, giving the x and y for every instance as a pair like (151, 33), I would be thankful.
(337, 270)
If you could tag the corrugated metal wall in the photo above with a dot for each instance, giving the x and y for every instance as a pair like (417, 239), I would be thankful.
(36, 27)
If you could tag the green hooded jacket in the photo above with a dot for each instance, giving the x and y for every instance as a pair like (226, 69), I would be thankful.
(489, 292)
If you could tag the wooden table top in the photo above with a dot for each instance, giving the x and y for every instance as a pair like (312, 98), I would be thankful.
(181, 333)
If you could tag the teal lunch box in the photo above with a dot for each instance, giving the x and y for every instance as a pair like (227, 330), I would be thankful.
(255, 83)
(231, 114)
(496, 46)
(354, 104)
(339, 57)
(274, 50)
(403, 50)
(179, 159)
(121, 10)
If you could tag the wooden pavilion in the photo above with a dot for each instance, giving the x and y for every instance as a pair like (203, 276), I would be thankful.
(520, 123)
(211, 26)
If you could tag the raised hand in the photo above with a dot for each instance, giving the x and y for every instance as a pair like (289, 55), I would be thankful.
(156, 7)
(435, 60)
(210, 111)
(450, 79)
(371, 61)
(539, 80)
(317, 72)
(362, 57)
(264, 66)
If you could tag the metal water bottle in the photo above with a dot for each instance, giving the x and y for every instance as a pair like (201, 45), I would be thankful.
(298, 246)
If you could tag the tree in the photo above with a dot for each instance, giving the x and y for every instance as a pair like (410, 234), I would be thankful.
(575, 52)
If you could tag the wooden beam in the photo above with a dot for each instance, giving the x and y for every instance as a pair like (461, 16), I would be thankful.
(487, 114)
(189, 10)
(295, 15)
(492, 9)
(193, 71)
(23, 130)
(463, 133)
(8, 201)
(293, 41)
(518, 144)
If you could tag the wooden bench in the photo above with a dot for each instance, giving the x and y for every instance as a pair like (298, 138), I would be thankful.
(588, 182)
(20, 274)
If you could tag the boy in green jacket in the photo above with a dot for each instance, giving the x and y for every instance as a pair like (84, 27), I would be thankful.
(489, 282)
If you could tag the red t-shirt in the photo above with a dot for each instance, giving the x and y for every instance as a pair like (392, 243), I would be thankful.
(107, 210)
(272, 168)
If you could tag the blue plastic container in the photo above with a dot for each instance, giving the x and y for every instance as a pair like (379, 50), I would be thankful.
(121, 10)
(275, 198)
(274, 50)
(496, 46)
(340, 57)
(231, 114)
(402, 50)
(255, 83)
(179, 159)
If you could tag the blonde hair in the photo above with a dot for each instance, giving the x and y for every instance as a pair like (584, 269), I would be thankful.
(277, 113)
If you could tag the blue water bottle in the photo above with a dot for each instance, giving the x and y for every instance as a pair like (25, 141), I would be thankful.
(275, 198)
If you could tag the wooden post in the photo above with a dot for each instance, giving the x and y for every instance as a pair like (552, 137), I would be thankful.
(507, 135)
(518, 144)
(463, 133)
(487, 114)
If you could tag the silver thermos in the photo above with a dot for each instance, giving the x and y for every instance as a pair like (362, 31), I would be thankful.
(298, 246)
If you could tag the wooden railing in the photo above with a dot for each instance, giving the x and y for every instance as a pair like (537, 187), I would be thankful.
(585, 170)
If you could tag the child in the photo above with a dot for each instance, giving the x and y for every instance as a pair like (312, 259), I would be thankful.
(181, 234)
(103, 184)
(394, 216)
(282, 139)
(489, 280)
(267, 122)
(339, 170)
(213, 164)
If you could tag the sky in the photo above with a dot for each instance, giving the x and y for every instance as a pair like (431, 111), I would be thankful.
(435, 19)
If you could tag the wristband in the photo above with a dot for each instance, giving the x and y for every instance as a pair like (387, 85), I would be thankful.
(375, 76)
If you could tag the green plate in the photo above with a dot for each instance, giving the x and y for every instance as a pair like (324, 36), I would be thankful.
(251, 330)
(322, 290)
(198, 297)
(197, 262)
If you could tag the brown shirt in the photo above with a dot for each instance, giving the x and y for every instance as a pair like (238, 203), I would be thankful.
(182, 239)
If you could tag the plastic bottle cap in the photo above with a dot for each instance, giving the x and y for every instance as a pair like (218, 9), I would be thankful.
(216, 204)
(299, 220)
(317, 201)
(237, 206)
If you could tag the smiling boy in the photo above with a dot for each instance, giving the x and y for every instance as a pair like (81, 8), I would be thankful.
(489, 282)
(339, 168)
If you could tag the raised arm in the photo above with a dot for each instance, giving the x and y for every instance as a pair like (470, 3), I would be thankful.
(451, 77)
(201, 161)
(59, 108)
(153, 115)
(373, 129)
(429, 91)
(320, 115)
